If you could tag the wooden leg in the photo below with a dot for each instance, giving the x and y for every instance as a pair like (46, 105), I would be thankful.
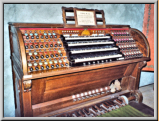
(138, 96)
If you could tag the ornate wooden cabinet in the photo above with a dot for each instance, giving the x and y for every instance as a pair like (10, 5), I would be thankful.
(58, 68)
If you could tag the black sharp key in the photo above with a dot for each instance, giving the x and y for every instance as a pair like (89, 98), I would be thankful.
(109, 104)
(80, 112)
(115, 105)
(97, 108)
(66, 115)
(117, 102)
(77, 113)
(121, 101)
(87, 114)
(91, 110)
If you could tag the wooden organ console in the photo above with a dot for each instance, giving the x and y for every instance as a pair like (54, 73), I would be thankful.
(75, 71)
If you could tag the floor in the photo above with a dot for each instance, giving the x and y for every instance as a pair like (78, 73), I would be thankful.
(147, 91)
(148, 95)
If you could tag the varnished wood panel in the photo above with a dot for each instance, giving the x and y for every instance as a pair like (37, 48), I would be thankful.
(136, 73)
(127, 83)
(55, 94)
(27, 104)
(77, 78)
(61, 86)
(38, 87)
(130, 69)
(131, 83)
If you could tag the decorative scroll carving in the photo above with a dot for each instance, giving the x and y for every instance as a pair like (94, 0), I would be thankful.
(138, 96)
(27, 85)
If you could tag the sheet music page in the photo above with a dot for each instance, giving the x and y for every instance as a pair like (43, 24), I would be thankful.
(85, 17)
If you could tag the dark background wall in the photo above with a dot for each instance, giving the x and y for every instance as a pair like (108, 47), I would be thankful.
(125, 14)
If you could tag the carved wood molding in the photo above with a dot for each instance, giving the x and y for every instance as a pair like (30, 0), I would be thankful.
(138, 96)
(22, 51)
(27, 85)
(137, 35)
(127, 83)
(142, 64)
(137, 71)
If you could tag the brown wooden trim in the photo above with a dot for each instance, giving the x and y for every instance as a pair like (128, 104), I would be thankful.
(70, 18)
(27, 107)
(21, 98)
(64, 16)
(145, 41)
(69, 9)
(129, 69)
(104, 21)
(131, 83)
(99, 19)
(141, 65)
(22, 51)
(136, 73)
(138, 96)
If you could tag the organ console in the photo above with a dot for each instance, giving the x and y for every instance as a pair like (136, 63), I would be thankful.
(75, 70)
